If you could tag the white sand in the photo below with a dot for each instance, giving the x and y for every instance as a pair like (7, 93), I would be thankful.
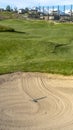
(53, 109)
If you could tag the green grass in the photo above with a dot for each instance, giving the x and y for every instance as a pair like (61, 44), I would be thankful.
(36, 46)
(6, 29)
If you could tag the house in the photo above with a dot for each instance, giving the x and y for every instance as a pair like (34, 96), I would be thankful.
(21, 11)
(64, 18)
(33, 13)
(1, 9)
(51, 17)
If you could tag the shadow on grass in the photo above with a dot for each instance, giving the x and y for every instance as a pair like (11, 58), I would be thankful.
(19, 32)
(13, 31)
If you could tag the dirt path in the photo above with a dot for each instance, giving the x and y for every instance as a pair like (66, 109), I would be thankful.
(35, 101)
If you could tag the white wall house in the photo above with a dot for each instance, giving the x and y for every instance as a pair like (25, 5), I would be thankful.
(21, 11)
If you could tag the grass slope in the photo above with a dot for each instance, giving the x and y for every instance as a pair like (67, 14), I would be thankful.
(36, 46)
(6, 29)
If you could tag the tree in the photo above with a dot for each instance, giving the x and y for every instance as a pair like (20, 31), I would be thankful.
(26, 10)
(8, 8)
(15, 9)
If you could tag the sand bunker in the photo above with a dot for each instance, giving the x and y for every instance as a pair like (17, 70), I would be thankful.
(35, 101)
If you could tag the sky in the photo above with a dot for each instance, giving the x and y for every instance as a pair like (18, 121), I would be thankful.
(33, 3)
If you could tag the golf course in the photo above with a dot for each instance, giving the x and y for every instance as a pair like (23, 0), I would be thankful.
(36, 75)
(36, 46)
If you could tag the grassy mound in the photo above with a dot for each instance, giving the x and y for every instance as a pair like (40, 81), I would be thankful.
(6, 29)
(43, 48)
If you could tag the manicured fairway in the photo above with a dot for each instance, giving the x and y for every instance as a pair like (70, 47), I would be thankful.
(32, 100)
